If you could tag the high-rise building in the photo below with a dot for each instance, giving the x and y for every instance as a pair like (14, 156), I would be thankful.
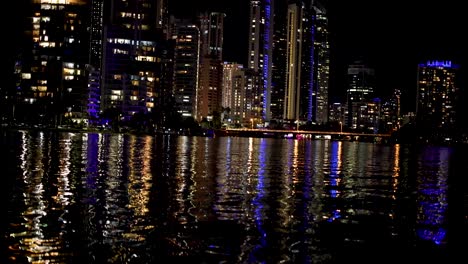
(390, 113)
(211, 34)
(94, 67)
(186, 66)
(131, 55)
(234, 92)
(162, 15)
(260, 59)
(296, 89)
(321, 64)
(437, 98)
(51, 81)
(278, 83)
(307, 60)
(211, 65)
(369, 116)
(360, 91)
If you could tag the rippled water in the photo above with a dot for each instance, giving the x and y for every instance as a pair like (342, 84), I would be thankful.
(115, 198)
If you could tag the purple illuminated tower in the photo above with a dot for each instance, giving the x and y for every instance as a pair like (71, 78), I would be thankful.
(260, 60)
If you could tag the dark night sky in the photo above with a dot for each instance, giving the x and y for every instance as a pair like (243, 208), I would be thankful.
(392, 36)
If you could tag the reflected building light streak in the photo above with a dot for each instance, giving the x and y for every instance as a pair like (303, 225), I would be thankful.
(63, 185)
(432, 195)
(197, 154)
(24, 152)
(91, 156)
(250, 155)
(201, 179)
(92, 144)
(114, 197)
(335, 178)
(229, 187)
(35, 241)
(259, 199)
(396, 170)
(295, 162)
(139, 187)
(146, 176)
(193, 163)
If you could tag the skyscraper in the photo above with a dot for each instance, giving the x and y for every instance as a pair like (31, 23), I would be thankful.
(307, 63)
(260, 58)
(234, 92)
(94, 67)
(360, 91)
(321, 63)
(211, 65)
(131, 54)
(437, 98)
(298, 77)
(162, 16)
(51, 79)
(279, 61)
(186, 66)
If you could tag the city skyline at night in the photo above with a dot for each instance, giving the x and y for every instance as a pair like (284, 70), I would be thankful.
(138, 70)
(393, 38)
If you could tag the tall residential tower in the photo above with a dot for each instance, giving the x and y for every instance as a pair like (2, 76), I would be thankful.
(131, 55)
(211, 64)
(437, 98)
(51, 81)
(260, 59)
(307, 63)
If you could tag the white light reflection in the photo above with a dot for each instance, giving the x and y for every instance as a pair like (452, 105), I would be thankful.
(396, 170)
(33, 234)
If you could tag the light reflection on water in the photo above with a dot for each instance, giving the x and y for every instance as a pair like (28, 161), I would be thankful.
(102, 198)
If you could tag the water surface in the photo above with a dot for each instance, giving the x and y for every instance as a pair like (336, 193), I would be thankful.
(117, 198)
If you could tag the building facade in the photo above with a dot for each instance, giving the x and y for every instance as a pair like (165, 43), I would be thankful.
(307, 63)
(360, 91)
(211, 64)
(260, 61)
(131, 55)
(186, 35)
(234, 93)
(321, 65)
(437, 98)
(51, 80)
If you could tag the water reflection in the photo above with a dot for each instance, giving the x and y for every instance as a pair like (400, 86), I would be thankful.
(433, 168)
(114, 198)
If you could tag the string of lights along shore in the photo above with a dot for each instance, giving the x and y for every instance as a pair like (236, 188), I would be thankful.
(131, 63)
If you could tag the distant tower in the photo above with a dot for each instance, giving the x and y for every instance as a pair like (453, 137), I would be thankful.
(186, 67)
(234, 91)
(437, 97)
(260, 59)
(361, 83)
(211, 65)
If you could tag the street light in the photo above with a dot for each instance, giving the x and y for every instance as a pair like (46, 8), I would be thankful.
(251, 122)
(341, 127)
